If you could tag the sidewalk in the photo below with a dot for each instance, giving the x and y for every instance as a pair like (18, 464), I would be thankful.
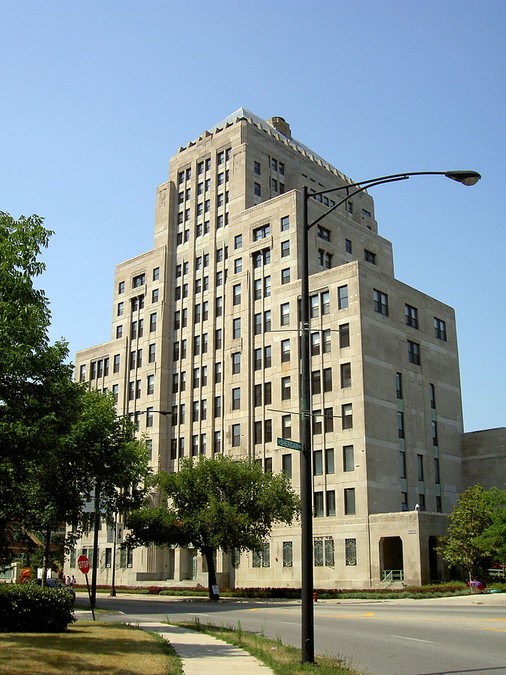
(200, 653)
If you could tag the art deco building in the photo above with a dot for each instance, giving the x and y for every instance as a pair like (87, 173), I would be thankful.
(205, 327)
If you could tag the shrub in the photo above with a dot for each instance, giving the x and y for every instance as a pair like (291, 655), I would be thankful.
(30, 608)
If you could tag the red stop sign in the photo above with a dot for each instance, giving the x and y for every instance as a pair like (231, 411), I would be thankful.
(84, 564)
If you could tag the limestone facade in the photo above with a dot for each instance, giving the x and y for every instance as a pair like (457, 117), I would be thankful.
(204, 357)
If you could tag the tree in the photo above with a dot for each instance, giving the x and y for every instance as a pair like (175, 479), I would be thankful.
(214, 504)
(59, 442)
(476, 531)
(35, 381)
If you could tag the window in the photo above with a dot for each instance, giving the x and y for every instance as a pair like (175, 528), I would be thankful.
(419, 465)
(236, 329)
(323, 551)
(256, 168)
(236, 435)
(323, 233)
(152, 353)
(411, 316)
(286, 426)
(238, 241)
(402, 464)
(217, 406)
(318, 506)
(342, 297)
(400, 424)
(369, 256)
(398, 385)
(326, 341)
(345, 375)
(219, 306)
(267, 321)
(331, 502)
(261, 232)
(347, 416)
(154, 295)
(285, 351)
(349, 502)
(217, 442)
(138, 281)
(121, 287)
(236, 398)
(262, 558)
(267, 286)
(149, 417)
(237, 265)
(413, 353)
(121, 308)
(285, 223)
(434, 433)
(328, 420)
(285, 276)
(268, 431)
(217, 373)
(286, 391)
(119, 331)
(285, 314)
(329, 461)
(316, 382)
(257, 190)
(350, 552)
(348, 458)
(287, 554)
(440, 329)
(152, 322)
(315, 344)
(236, 363)
(286, 465)
(348, 246)
(150, 384)
(324, 258)
(267, 393)
(257, 359)
(344, 335)
(327, 379)
(257, 430)
(267, 356)
(236, 294)
(285, 248)
(432, 396)
(437, 476)
(317, 463)
(380, 302)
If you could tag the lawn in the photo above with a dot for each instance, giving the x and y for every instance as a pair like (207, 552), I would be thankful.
(88, 647)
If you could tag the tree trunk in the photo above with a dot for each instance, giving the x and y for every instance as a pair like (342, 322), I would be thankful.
(46, 565)
(214, 593)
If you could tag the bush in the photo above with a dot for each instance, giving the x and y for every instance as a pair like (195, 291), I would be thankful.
(30, 608)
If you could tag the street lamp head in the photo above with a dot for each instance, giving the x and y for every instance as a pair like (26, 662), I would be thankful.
(464, 177)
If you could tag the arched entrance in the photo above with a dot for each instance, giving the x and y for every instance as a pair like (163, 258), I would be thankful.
(391, 559)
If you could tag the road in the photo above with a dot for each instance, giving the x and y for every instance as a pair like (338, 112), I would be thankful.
(456, 636)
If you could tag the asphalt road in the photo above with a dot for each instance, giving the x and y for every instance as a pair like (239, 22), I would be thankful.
(456, 636)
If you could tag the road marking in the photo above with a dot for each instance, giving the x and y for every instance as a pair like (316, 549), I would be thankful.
(403, 637)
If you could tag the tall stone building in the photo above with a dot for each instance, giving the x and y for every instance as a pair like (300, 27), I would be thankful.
(204, 356)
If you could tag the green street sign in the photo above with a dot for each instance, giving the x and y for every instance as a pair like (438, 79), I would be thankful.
(293, 445)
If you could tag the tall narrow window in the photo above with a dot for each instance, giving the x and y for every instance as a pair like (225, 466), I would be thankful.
(349, 502)
(342, 297)
(348, 458)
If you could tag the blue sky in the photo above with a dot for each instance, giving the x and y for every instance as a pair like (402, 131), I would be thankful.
(96, 95)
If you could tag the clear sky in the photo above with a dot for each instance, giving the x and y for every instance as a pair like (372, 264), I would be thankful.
(96, 95)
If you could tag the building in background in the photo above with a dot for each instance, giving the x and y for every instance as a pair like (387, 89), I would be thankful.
(204, 356)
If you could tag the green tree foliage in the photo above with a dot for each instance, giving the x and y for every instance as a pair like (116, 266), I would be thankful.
(476, 531)
(214, 504)
(57, 439)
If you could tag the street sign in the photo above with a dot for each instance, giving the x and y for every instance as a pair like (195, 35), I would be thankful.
(285, 443)
(84, 564)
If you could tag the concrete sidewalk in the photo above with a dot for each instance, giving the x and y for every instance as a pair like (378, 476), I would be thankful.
(200, 653)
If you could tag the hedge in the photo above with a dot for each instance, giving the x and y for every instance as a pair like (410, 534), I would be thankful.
(30, 608)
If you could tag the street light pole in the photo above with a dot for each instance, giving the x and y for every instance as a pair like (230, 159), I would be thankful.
(306, 481)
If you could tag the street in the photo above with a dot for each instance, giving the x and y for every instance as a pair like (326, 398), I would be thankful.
(410, 637)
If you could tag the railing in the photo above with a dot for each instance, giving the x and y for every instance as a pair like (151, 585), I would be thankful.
(389, 576)
(497, 573)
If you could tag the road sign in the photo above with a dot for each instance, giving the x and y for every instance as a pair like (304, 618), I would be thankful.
(285, 443)
(84, 564)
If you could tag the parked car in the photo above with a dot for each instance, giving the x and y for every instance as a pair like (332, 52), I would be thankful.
(56, 583)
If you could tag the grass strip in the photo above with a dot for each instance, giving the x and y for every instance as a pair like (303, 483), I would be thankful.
(282, 659)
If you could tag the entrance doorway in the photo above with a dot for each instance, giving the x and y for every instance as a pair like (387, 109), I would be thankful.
(391, 559)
